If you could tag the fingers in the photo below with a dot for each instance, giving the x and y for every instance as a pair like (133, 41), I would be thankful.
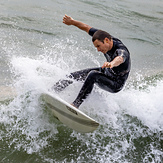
(104, 65)
(107, 65)
(64, 18)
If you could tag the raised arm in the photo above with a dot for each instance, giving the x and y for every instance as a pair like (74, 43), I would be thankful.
(70, 21)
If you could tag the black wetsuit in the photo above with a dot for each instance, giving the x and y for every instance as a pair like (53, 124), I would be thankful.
(111, 80)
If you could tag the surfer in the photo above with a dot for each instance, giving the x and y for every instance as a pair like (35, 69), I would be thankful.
(111, 76)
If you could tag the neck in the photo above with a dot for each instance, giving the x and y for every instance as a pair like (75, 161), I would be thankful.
(110, 45)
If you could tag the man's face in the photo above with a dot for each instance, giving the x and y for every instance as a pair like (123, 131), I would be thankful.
(103, 47)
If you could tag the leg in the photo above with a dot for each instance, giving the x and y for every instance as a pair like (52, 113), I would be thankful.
(78, 75)
(103, 81)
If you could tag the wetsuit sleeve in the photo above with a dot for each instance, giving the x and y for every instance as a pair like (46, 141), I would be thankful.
(92, 31)
(123, 53)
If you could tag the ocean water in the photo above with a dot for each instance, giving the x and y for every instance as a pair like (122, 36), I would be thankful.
(37, 49)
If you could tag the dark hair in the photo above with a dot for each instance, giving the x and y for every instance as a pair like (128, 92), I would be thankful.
(101, 35)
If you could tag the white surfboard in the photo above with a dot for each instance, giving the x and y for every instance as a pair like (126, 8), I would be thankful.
(69, 115)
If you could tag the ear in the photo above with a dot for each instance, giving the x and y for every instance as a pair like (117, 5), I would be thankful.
(106, 40)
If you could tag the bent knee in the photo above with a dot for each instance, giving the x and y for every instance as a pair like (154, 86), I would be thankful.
(116, 90)
(93, 74)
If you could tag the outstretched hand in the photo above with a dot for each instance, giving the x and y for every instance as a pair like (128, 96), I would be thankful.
(67, 20)
(70, 21)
